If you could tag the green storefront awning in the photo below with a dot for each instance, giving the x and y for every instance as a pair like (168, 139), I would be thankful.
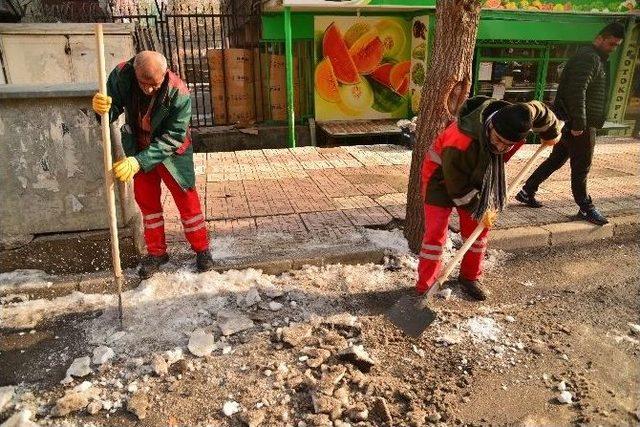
(494, 25)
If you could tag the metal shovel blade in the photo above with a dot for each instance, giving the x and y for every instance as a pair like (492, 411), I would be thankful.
(411, 315)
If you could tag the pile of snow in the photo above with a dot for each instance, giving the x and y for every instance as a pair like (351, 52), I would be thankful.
(393, 240)
(482, 329)
(13, 281)
(164, 311)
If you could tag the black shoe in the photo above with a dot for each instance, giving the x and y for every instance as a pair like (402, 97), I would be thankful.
(593, 216)
(151, 264)
(529, 200)
(475, 288)
(204, 261)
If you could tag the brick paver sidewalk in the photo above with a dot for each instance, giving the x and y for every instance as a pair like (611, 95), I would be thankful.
(312, 190)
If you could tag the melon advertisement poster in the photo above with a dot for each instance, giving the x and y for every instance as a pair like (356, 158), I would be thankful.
(363, 67)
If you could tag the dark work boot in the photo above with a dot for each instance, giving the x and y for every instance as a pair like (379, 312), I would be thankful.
(529, 200)
(204, 261)
(474, 288)
(151, 264)
(593, 216)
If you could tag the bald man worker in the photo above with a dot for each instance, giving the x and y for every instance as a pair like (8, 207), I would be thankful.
(157, 143)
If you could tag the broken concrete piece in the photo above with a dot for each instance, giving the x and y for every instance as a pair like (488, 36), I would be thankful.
(201, 343)
(565, 397)
(231, 322)
(82, 387)
(296, 335)
(138, 405)
(230, 408)
(562, 386)
(381, 410)
(20, 419)
(449, 338)
(6, 396)
(323, 404)
(275, 306)
(342, 394)
(635, 328)
(101, 355)
(317, 356)
(172, 356)
(94, 407)
(344, 321)
(69, 403)
(318, 420)
(251, 298)
(271, 291)
(159, 365)
(358, 412)
(330, 379)
(80, 367)
(358, 356)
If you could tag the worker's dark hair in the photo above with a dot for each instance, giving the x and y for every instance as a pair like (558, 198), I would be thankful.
(615, 29)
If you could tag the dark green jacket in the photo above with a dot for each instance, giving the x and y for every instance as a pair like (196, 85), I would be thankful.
(584, 90)
(455, 164)
(170, 135)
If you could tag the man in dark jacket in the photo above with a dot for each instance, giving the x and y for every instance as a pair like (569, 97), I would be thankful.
(157, 143)
(581, 101)
(464, 168)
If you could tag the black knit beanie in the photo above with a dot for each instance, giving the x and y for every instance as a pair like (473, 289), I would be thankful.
(512, 122)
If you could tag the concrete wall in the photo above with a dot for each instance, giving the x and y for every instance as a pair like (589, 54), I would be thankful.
(55, 53)
(51, 166)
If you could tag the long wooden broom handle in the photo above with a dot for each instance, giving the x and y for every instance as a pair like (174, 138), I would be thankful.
(108, 175)
(515, 184)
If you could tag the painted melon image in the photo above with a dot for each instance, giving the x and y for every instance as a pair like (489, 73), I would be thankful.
(325, 82)
(382, 74)
(335, 49)
(356, 99)
(399, 77)
(386, 99)
(393, 37)
(367, 52)
(356, 31)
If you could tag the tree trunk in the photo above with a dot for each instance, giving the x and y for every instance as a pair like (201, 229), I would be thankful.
(447, 86)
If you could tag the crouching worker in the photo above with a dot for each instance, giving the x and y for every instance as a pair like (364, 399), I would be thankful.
(157, 143)
(464, 168)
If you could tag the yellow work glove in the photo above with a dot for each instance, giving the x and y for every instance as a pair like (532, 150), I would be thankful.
(101, 103)
(489, 218)
(126, 168)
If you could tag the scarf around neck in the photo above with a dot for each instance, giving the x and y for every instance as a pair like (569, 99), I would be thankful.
(493, 192)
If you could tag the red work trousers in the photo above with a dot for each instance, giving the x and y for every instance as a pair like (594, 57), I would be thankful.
(147, 190)
(433, 242)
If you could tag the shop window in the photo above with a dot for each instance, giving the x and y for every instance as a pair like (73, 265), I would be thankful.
(508, 73)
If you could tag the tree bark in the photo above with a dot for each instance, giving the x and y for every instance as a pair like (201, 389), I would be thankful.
(446, 87)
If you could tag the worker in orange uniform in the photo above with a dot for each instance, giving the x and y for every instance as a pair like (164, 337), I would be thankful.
(464, 168)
